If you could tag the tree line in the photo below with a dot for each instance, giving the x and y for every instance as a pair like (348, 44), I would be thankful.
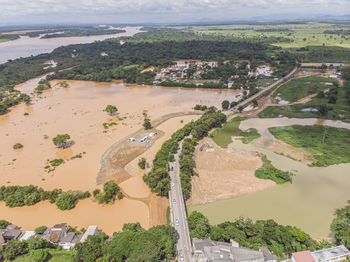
(158, 179)
(281, 240)
(17, 196)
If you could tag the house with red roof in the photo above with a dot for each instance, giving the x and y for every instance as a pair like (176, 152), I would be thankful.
(303, 256)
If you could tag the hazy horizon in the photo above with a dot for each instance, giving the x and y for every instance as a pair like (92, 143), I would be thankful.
(22, 12)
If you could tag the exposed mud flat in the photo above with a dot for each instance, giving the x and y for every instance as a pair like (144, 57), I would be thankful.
(224, 173)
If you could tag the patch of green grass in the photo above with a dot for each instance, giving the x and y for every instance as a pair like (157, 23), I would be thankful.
(303, 87)
(108, 125)
(51, 165)
(329, 145)
(298, 35)
(223, 136)
(268, 171)
(168, 219)
(340, 110)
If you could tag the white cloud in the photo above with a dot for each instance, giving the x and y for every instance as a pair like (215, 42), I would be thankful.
(156, 10)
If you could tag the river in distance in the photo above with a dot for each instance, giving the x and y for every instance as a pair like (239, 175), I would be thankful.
(26, 46)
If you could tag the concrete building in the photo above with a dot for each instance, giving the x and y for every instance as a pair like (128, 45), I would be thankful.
(268, 255)
(332, 254)
(11, 232)
(213, 251)
(26, 235)
(91, 231)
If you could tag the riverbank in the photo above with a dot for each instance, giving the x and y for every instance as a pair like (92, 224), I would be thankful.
(315, 192)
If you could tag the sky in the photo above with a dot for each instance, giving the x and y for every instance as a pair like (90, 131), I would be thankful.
(162, 11)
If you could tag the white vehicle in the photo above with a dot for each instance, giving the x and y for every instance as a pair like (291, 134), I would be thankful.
(131, 139)
(144, 139)
(177, 222)
(174, 201)
(153, 134)
(181, 257)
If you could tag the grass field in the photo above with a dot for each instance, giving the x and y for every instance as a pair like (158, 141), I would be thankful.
(55, 256)
(268, 171)
(340, 110)
(298, 35)
(223, 136)
(329, 145)
(303, 87)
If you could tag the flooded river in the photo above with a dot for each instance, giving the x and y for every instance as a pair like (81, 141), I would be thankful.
(78, 111)
(26, 46)
(309, 203)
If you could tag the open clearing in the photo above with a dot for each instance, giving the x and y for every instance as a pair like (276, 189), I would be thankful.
(224, 173)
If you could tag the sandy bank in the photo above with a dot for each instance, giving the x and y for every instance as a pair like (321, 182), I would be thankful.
(224, 174)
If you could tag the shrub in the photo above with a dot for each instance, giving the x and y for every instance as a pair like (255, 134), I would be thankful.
(110, 191)
(142, 163)
(111, 109)
(39, 255)
(68, 200)
(147, 124)
(60, 140)
(4, 224)
(17, 146)
(40, 230)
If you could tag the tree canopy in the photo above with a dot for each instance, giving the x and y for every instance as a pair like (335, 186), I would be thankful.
(111, 109)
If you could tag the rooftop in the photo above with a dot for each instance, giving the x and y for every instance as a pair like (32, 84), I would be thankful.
(331, 253)
(224, 252)
(303, 256)
(26, 235)
(54, 236)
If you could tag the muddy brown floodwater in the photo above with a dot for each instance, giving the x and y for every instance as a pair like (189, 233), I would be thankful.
(308, 203)
(78, 111)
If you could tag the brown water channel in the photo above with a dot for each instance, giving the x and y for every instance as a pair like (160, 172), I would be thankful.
(309, 203)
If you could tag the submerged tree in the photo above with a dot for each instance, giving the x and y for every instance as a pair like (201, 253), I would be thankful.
(147, 124)
(111, 109)
(61, 140)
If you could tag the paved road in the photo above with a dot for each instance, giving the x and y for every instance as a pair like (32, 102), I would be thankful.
(178, 212)
(177, 204)
(250, 99)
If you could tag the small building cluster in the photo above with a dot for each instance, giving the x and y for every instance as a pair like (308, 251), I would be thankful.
(213, 251)
(208, 250)
(181, 68)
(58, 234)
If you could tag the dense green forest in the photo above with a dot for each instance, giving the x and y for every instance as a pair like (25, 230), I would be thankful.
(159, 179)
(281, 240)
